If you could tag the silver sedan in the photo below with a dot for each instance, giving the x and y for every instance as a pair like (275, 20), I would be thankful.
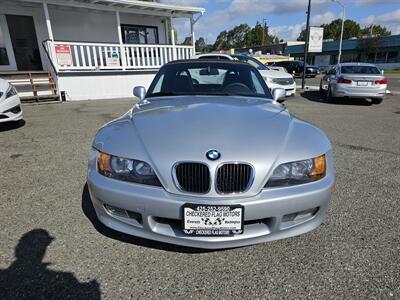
(209, 158)
(356, 80)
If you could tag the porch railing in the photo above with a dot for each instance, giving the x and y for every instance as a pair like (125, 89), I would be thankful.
(77, 56)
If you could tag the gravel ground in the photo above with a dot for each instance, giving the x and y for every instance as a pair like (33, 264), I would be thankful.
(52, 247)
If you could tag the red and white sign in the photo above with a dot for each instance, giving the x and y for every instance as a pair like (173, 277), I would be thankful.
(63, 55)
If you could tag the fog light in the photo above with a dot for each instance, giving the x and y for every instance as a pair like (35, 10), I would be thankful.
(116, 211)
(289, 217)
(300, 215)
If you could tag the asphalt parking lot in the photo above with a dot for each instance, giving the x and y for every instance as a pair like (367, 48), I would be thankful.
(51, 244)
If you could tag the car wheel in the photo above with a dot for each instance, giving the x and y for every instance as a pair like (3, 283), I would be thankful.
(328, 95)
(376, 100)
(321, 91)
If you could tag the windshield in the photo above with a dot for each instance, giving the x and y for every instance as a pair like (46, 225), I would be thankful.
(360, 70)
(250, 60)
(208, 78)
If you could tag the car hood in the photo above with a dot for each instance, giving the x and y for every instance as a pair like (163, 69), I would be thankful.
(3, 86)
(163, 132)
(275, 74)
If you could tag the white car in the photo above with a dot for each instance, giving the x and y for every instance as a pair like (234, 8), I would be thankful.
(273, 78)
(10, 104)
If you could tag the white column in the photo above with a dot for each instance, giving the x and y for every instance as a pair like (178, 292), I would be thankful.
(193, 36)
(121, 44)
(48, 23)
(173, 40)
(166, 31)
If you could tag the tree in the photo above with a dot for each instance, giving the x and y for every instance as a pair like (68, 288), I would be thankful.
(201, 44)
(236, 38)
(259, 36)
(187, 41)
(244, 36)
(370, 45)
(351, 29)
(376, 30)
(222, 41)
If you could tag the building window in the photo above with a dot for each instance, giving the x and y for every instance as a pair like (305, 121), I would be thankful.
(380, 57)
(393, 57)
(139, 34)
(371, 57)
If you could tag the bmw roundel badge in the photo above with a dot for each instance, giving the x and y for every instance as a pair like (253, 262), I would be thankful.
(213, 154)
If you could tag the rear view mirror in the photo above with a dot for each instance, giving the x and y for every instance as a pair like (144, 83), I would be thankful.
(279, 95)
(140, 92)
(209, 71)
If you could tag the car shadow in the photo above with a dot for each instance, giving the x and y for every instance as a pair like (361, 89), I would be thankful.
(28, 277)
(88, 210)
(11, 125)
(315, 96)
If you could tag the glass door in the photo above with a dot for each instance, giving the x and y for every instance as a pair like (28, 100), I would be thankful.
(7, 59)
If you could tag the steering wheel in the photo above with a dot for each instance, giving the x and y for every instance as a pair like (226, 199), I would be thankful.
(237, 87)
(195, 81)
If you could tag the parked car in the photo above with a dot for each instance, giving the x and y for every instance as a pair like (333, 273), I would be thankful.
(276, 68)
(10, 104)
(296, 67)
(357, 80)
(273, 78)
(208, 158)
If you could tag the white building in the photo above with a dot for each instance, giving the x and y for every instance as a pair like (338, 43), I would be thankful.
(93, 48)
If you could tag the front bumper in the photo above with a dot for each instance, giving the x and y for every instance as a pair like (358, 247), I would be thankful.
(156, 214)
(346, 90)
(290, 88)
(10, 109)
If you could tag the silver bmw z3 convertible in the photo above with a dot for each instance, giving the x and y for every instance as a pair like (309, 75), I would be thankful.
(208, 158)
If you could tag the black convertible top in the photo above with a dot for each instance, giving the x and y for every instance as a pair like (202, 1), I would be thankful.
(202, 61)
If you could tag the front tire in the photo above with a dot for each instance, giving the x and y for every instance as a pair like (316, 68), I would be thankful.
(328, 95)
(321, 90)
(376, 100)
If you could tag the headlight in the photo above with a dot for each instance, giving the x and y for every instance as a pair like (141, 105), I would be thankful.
(268, 79)
(126, 169)
(298, 172)
(11, 91)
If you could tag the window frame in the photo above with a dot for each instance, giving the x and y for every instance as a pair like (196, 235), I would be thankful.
(138, 27)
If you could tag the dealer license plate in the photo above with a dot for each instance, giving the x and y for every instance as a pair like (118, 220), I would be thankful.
(362, 83)
(212, 220)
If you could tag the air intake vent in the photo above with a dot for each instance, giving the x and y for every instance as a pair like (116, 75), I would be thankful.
(192, 177)
(234, 178)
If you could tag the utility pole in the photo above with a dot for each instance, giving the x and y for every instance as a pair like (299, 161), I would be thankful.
(303, 80)
(264, 26)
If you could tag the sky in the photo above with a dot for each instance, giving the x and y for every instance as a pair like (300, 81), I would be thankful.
(285, 18)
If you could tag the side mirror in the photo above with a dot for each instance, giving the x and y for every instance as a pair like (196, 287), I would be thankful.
(279, 95)
(140, 92)
(382, 72)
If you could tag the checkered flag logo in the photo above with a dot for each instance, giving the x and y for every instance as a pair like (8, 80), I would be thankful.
(218, 221)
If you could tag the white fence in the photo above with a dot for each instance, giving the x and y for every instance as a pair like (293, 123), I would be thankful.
(76, 56)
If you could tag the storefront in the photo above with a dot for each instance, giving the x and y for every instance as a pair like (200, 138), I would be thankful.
(94, 49)
(382, 51)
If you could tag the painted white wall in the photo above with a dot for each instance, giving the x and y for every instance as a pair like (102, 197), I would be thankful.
(91, 87)
(82, 25)
(36, 11)
(75, 24)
